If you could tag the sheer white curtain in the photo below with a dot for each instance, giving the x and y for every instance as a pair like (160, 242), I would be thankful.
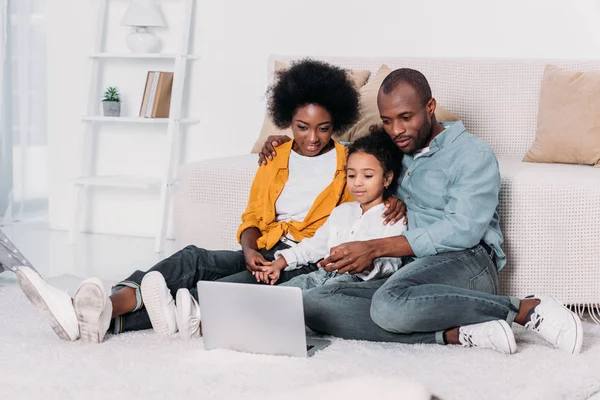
(5, 142)
(23, 144)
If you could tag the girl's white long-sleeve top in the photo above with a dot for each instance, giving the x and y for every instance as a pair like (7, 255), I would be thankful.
(347, 223)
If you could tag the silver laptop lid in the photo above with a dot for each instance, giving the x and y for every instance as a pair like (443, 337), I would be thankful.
(252, 318)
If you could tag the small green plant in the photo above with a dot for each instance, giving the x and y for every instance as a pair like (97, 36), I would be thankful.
(112, 94)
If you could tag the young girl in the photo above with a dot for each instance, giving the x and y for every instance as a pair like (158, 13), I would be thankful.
(374, 162)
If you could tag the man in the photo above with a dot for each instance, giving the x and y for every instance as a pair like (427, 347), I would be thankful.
(448, 291)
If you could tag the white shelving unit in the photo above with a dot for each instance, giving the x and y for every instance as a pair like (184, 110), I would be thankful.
(164, 184)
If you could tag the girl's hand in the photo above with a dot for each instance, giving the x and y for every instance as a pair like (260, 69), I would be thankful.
(395, 210)
(261, 277)
(270, 276)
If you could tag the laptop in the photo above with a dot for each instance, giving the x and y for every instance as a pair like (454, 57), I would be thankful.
(255, 319)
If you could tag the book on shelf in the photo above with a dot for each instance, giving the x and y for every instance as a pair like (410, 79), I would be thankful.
(156, 101)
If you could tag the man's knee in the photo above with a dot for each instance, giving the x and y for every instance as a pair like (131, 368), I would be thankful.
(392, 312)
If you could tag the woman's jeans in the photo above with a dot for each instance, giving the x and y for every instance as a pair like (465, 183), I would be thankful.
(416, 304)
(188, 266)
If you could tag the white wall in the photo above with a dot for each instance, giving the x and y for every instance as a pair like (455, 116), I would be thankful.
(235, 38)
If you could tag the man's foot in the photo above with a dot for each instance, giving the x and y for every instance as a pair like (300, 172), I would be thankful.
(159, 303)
(187, 315)
(56, 305)
(93, 309)
(495, 335)
(557, 324)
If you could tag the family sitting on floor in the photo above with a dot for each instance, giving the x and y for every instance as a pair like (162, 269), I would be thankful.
(394, 238)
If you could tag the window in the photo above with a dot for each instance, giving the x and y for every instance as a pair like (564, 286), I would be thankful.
(23, 136)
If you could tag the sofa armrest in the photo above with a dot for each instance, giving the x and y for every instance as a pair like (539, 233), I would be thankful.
(209, 199)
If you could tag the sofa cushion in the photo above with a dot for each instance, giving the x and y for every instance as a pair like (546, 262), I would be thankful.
(568, 123)
(369, 112)
(268, 128)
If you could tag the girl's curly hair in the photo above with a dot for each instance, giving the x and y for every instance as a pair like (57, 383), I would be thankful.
(379, 144)
(314, 82)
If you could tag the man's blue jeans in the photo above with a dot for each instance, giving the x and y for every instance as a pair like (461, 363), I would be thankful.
(416, 304)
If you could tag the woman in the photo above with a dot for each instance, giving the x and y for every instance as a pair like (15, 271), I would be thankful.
(290, 199)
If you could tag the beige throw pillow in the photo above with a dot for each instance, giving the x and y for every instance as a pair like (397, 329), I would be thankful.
(358, 77)
(568, 123)
(369, 112)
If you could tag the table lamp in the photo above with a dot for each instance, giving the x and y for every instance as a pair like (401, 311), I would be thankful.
(143, 14)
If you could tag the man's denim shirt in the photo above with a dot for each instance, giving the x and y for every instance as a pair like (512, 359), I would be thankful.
(451, 193)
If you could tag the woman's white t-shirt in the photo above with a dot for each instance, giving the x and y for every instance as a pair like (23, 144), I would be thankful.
(307, 178)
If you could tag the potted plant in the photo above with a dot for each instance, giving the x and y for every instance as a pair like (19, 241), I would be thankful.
(111, 103)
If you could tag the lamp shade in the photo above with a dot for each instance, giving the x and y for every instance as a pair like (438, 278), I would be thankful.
(143, 13)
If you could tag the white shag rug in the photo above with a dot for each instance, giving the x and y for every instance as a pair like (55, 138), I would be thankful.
(34, 363)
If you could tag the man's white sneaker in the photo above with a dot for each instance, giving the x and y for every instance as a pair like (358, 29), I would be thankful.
(557, 324)
(187, 314)
(56, 305)
(159, 303)
(93, 309)
(496, 335)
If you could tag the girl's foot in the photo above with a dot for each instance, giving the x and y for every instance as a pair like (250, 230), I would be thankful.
(187, 315)
(159, 303)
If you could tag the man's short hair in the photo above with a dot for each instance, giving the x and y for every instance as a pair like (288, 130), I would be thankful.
(411, 77)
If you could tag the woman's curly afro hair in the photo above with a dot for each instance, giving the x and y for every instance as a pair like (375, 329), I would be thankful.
(314, 82)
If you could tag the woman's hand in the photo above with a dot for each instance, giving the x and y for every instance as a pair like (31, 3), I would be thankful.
(395, 210)
(255, 262)
(268, 150)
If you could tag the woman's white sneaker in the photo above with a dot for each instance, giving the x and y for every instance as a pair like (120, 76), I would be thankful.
(187, 315)
(557, 324)
(159, 303)
(496, 335)
(56, 305)
(93, 309)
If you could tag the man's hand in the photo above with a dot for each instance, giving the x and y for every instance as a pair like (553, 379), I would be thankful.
(395, 210)
(268, 150)
(351, 257)
(255, 262)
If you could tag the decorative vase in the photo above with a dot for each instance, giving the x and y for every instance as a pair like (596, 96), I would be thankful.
(111, 108)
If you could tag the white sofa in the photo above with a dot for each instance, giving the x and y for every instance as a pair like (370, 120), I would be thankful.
(550, 213)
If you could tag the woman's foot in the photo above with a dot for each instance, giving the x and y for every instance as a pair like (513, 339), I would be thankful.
(159, 303)
(557, 324)
(187, 315)
(93, 309)
(496, 335)
(56, 305)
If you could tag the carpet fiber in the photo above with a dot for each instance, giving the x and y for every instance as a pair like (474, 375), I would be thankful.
(34, 363)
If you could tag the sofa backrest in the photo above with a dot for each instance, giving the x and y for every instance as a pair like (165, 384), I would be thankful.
(497, 99)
